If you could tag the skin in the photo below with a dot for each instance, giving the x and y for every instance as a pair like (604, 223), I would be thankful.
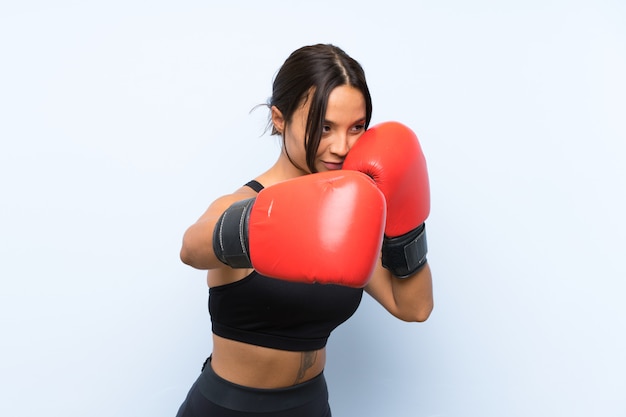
(408, 299)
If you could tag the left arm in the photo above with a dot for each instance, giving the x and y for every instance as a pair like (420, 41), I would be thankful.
(391, 155)
(409, 299)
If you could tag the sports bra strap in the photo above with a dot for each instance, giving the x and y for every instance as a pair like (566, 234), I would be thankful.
(255, 185)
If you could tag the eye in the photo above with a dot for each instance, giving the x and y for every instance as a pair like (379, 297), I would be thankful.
(358, 128)
(326, 129)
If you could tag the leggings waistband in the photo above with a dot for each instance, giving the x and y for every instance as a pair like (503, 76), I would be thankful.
(240, 398)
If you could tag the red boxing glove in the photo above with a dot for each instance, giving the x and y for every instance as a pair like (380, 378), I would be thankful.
(324, 227)
(390, 153)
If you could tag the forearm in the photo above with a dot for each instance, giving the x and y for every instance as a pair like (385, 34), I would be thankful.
(197, 247)
(409, 299)
(414, 295)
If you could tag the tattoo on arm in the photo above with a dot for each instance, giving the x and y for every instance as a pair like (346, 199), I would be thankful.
(307, 360)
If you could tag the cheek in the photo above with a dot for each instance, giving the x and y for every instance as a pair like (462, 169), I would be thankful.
(321, 148)
(354, 139)
(292, 139)
(294, 143)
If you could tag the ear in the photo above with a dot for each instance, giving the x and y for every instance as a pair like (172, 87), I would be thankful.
(278, 120)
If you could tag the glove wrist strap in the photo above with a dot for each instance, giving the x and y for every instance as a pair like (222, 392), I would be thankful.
(404, 255)
(230, 236)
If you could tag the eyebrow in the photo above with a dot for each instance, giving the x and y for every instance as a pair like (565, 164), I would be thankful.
(360, 120)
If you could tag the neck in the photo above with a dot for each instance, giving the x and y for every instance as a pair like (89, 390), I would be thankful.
(283, 169)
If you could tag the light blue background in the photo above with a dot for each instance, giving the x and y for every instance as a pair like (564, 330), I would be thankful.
(120, 121)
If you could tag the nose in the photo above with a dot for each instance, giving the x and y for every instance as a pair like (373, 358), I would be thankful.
(341, 145)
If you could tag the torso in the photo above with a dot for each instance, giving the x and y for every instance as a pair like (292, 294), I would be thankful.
(257, 366)
(261, 367)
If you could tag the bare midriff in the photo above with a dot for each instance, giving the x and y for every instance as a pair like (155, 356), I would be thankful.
(261, 367)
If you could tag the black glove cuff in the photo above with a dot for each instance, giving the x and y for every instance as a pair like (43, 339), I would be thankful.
(230, 236)
(404, 255)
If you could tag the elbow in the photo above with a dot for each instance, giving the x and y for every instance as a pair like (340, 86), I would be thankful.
(189, 254)
(197, 254)
(418, 315)
(185, 256)
(424, 314)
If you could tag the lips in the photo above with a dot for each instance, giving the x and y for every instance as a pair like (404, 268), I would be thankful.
(333, 166)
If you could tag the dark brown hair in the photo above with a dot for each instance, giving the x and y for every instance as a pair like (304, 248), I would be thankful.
(318, 69)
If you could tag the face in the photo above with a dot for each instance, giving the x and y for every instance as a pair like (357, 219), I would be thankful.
(344, 123)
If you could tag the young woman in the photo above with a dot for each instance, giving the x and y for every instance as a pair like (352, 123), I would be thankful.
(289, 254)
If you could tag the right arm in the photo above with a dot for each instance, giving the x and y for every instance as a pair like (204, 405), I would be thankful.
(286, 229)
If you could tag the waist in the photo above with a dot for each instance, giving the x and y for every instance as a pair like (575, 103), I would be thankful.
(247, 399)
(265, 368)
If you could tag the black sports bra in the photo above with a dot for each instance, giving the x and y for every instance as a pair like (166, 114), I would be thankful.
(255, 185)
(279, 314)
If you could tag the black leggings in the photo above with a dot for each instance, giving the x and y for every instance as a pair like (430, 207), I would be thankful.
(213, 396)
